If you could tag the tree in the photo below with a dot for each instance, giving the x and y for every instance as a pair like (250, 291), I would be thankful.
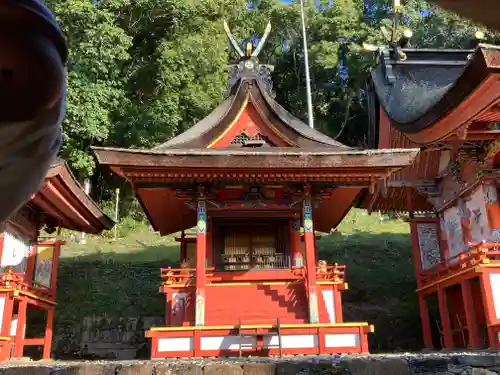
(97, 50)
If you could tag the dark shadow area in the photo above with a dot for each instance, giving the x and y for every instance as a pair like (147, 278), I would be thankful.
(107, 301)
(295, 304)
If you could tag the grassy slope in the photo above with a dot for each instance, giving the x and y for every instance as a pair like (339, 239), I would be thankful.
(121, 278)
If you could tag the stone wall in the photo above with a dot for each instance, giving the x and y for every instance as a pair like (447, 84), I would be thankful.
(430, 364)
(104, 337)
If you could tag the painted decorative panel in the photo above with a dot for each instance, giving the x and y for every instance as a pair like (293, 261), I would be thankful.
(16, 249)
(490, 193)
(428, 242)
(478, 221)
(454, 232)
(492, 202)
(43, 265)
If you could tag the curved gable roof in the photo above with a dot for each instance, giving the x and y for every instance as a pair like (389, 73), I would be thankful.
(431, 84)
(205, 131)
(63, 200)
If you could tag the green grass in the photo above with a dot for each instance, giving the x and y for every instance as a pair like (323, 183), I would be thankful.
(120, 278)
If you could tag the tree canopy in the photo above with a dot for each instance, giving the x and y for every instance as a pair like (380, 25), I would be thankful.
(142, 71)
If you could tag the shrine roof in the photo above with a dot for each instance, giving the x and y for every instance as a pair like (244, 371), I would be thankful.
(250, 88)
(430, 85)
(275, 157)
(249, 137)
(65, 203)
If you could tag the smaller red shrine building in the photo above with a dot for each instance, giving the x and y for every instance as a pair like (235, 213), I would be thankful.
(29, 262)
(447, 103)
(257, 183)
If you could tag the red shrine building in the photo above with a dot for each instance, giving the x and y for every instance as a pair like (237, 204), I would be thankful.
(258, 184)
(29, 262)
(447, 103)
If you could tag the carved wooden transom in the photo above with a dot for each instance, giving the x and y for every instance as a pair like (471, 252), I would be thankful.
(256, 140)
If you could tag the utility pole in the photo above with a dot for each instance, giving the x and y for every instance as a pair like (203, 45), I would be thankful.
(86, 188)
(306, 63)
(117, 210)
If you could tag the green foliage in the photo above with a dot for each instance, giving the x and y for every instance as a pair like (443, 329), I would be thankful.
(98, 48)
(143, 71)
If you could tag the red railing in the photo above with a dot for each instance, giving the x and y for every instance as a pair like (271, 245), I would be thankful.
(180, 276)
(481, 253)
(333, 273)
(187, 276)
(15, 280)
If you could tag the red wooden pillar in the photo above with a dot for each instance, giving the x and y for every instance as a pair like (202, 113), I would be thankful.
(47, 340)
(201, 250)
(470, 315)
(21, 321)
(445, 318)
(337, 302)
(424, 318)
(489, 306)
(363, 341)
(6, 323)
(168, 309)
(310, 258)
(55, 268)
(30, 265)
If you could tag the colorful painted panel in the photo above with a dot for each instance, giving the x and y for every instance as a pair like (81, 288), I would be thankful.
(478, 222)
(16, 249)
(492, 209)
(307, 214)
(43, 265)
(454, 232)
(428, 242)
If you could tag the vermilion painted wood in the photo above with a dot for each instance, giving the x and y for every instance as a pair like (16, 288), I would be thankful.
(21, 321)
(470, 315)
(49, 330)
(320, 349)
(256, 304)
(426, 324)
(445, 318)
(251, 124)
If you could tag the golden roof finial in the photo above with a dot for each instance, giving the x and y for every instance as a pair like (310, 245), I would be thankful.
(249, 49)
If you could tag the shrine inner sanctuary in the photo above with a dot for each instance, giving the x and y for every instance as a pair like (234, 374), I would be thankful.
(257, 183)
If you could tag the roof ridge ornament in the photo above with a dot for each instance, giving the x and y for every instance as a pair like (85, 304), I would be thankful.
(249, 53)
(395, 39)
(248, 65)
